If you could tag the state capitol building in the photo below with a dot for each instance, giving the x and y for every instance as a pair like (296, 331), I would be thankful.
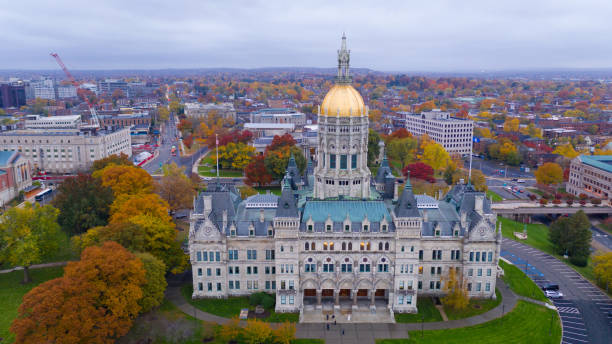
(339, 237)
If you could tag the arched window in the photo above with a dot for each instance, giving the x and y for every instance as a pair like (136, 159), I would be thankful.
(350, 246)
(325, 246)
(380, 246)
(368, 246)
(362, 246)
(312, 246)
(306, 246)
(383, 265)
(386, 246)
(343, 246)
(331, 246)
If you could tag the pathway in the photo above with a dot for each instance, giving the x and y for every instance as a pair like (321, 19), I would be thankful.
(364, 333)
(35, 266)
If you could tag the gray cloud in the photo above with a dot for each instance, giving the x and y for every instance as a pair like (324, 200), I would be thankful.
(384, 35)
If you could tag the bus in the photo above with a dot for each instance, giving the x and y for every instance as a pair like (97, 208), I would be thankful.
(41, 195)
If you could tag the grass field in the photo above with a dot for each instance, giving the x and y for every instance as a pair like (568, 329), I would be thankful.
(475, 307)
(520, 283)
(207, 164)
(12, 292)
(231, 307)
(64, 252)
(275, 190)
(426, 312)
(526, 323)
(494, 196)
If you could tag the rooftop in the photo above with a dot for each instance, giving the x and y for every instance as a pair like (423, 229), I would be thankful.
(603, 162)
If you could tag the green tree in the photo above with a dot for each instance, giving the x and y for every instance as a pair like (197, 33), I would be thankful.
(27, 235)
(83, 203)
(155, 285)
(373, 147)
(276, 161)
(235, 155)
(163, 113)
(571, 236)
(402, 150)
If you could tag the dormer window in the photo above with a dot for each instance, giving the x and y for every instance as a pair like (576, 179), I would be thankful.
(328, 228)
(232, 232)
(347, 228)
(384, 228)
(251, 232)
(437, 232)
(270, 232)
(365, 228)
(456, 233)
(310, 228)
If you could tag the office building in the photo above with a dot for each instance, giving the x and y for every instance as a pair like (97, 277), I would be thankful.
(454, 134)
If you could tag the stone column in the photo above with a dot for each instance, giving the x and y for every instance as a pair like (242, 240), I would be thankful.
(319, 292)
(355, 298)
(391, 296)
(372, 298)
(336, 298)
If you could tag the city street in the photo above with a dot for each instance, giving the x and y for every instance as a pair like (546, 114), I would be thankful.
(602, 237)
(490, 169)
(584, 307)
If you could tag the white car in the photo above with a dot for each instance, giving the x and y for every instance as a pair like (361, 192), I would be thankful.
(553, 294)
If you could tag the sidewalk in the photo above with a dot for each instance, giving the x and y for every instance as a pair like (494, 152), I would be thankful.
(365, 333)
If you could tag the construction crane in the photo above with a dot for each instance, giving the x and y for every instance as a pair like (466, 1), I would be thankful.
(95, 122)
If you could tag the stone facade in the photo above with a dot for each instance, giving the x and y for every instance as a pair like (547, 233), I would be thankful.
(355, 245)
(591, 175)
(454, 134)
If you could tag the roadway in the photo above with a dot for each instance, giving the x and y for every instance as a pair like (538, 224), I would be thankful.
(602, 237)
(584, 307)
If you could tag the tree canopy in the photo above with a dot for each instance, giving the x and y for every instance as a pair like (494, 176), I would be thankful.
(549, 173)
(114, 159)
(175, 188)
(28, 235)
(572, 236)
(125, 180)
(83, 203)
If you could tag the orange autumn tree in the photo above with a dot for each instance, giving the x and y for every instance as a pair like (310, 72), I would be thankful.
(95, 301)
(125, 180)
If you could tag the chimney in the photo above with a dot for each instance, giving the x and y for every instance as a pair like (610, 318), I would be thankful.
(478, 201)
(425, 216)
(261, 215)
(224, 219)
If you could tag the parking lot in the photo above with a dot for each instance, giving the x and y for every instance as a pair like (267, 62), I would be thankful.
(584, 307)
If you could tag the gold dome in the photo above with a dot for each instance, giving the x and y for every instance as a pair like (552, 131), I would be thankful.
(343, 100)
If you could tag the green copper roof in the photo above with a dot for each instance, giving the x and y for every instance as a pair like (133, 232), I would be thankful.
(603, 162)
(357, 210)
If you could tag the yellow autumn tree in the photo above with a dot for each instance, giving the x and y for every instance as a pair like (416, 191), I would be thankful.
(285, 333)
(456, 293)
(435, 156)
(603, 268)
(567, 150)
(511, 125)
(125, 180)
(235, 155)
(256, 331)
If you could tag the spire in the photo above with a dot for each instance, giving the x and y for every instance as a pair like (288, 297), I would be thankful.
(343, 76)
(408, 186)
(286, 182)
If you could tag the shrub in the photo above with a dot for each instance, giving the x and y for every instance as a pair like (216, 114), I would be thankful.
(532, 197)
(255, 299)
(579, 260)
(569, 197)
(558, 196)
(570, 201)
(556, 201)
(583, 196)
(595, 201)
(543, 201)
(582, 202)
(268, 301)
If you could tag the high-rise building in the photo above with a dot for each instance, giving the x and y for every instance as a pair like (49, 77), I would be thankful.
(336, 238)
(43, 89)
(66, 91)
(12, 96)
(454, 134)
(109, 86)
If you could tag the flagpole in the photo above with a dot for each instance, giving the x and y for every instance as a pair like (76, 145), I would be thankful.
(470, 170)
(217, 153)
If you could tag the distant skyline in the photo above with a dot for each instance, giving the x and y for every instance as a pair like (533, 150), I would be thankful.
(401, 36)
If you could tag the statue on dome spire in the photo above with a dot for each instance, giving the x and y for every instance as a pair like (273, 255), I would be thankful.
(344, 57)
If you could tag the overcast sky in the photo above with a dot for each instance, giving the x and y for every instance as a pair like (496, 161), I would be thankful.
(408, 35)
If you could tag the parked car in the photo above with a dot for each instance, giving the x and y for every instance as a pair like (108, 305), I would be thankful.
(550, 286)
(520, 180)
(554, 294)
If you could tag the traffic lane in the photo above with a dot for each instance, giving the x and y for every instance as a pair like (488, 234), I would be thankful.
(602, 237)
(587, 297)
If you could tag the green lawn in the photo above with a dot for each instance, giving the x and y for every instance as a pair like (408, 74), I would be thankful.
(275, 190)
(520, 283)
(207, 172)
(426, 310)
(12, 291)
(537, 234)
(475, 307)
(231, 306)
(526, 323)
(64, 252)
(494, 196)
